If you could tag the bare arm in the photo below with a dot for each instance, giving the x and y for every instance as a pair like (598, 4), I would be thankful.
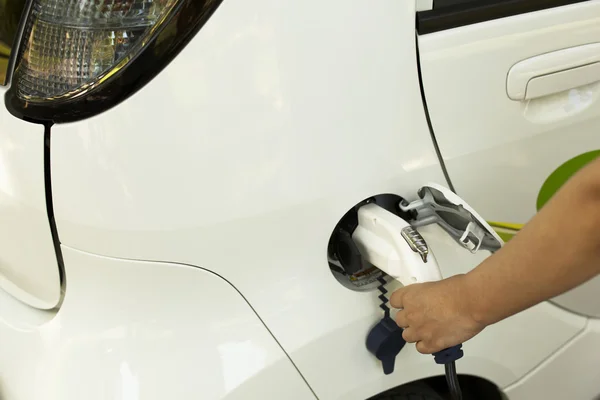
(556, 251)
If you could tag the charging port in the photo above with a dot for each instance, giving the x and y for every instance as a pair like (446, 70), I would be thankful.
(344, 257)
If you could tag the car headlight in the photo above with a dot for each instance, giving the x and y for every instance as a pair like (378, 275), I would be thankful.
(79, 57)
(72, 45)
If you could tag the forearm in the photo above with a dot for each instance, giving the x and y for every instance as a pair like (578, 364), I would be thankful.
(556, 251)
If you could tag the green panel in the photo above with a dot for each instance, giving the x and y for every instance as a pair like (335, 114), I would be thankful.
(559, 177)
(562, 175)
(506, 236)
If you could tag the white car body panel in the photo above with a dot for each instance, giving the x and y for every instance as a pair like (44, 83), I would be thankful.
(194, 217)
(130, 330)
(499, 152)
(171, 175)
(568, 373)
(28, 266)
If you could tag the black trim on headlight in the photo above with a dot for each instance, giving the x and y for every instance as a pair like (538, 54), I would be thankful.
(169, 39)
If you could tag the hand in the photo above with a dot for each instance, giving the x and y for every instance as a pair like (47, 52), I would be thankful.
(436, 315)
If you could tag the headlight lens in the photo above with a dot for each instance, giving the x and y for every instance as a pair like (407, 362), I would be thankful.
(70, 46)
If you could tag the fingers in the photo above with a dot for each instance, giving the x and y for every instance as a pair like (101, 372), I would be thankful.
(397, 297)
(430, 347)
(425, 342)
(422, 317)
(410, 336)
(401, 319)
(424, 348)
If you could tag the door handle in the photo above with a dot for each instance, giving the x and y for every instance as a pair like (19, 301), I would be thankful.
(554, 72)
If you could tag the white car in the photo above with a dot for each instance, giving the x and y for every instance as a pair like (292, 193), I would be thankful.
(176, 175)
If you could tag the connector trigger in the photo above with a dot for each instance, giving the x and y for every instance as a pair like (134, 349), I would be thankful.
(385, 342)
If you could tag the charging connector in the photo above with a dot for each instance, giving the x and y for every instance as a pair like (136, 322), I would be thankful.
(394, 245)
(391, 244)
(397, 248)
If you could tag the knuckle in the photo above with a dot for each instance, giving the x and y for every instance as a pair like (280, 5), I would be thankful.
(408, 336)
(440, 344)
(428, 336)
(422, 348)
(399, 320)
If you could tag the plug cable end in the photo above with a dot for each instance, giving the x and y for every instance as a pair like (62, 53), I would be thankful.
(448, 357)
(452, 381)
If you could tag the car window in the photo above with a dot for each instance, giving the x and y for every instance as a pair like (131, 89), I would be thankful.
(449, 14)
(10, 14)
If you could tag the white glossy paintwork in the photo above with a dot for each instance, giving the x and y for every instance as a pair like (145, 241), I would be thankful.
(558, 82)
(582, 299)
(498, 151)
(547, 65)
(28, 266)
(131, 330)
(567, 374)
(245, 152)
(423, 5)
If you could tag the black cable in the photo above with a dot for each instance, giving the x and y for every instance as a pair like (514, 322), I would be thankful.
(452, 380)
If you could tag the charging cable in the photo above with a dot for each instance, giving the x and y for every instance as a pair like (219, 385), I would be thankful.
(452, 380)
(448, 357)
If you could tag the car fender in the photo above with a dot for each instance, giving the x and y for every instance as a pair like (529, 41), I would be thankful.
(141, 330)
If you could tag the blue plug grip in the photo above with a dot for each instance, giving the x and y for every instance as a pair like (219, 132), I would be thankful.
(385, 342)
(449, 355)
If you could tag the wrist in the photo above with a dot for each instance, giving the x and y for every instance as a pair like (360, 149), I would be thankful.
(475, 300)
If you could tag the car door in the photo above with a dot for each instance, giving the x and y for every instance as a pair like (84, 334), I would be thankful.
(29, 268)
(512, 89)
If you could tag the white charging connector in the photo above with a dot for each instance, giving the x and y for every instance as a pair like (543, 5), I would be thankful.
(394, 246)
(391, 244)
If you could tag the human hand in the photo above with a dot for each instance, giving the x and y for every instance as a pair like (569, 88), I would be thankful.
(436, 315)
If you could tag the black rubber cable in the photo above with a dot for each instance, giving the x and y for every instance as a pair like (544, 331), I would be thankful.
(452, 380)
